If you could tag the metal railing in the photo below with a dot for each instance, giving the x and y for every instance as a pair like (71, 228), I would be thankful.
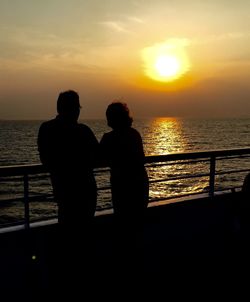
(208, 159)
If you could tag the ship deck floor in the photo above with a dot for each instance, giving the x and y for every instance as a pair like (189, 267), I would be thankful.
(189, 244)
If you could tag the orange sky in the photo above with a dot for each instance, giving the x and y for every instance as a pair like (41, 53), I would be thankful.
(96, 47)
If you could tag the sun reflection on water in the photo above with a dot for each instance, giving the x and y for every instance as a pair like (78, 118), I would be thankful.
(169, 133)
(170, 139)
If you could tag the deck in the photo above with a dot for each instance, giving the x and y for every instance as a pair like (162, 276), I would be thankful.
(181, 243)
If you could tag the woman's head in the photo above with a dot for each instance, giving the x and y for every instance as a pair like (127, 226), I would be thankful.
(118, 115)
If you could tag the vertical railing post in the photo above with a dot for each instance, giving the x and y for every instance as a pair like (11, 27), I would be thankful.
(26, 201)
(212, 176)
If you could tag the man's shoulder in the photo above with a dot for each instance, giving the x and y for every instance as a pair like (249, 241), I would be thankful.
(84, 127)
(47, 125)
(48, 122)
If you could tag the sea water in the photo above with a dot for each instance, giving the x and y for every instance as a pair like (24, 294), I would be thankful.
(18, 146)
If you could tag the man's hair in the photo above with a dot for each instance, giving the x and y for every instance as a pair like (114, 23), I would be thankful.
(68, 101)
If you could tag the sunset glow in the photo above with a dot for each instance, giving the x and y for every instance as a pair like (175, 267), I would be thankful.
(171, 58)
(166, 62)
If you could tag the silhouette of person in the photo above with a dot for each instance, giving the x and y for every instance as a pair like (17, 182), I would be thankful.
(240, 247)
(246, 186)
(122, 148)
(68, 150)
(245, 206)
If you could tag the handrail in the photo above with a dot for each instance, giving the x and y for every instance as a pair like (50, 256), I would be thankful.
(211, 156)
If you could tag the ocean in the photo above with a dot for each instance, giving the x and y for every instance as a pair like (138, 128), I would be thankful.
(160, 136)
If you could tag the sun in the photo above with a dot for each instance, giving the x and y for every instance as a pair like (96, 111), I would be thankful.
(167, 61)
(167, 66)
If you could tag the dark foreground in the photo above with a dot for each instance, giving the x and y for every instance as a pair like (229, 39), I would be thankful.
(183, 248)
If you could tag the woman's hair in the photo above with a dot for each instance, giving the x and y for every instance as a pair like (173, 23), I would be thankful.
(118, 115)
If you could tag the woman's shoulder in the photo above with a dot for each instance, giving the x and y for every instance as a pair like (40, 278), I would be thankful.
(132, 129)
(135, 132)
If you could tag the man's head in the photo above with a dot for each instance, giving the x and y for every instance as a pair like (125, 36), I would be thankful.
(68, 105)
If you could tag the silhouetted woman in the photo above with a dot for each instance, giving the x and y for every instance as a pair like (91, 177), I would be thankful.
(122, 148)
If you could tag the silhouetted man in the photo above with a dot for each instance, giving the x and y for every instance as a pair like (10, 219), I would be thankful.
(68, 149)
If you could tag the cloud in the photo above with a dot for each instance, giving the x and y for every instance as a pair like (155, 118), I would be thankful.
(136, 20)
(115, 26)
(122, 27)
(25, 49)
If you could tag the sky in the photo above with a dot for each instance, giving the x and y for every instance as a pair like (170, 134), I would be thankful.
(103, 49)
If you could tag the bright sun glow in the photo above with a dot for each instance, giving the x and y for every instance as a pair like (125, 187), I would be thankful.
(167, 61)
(167, 66)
